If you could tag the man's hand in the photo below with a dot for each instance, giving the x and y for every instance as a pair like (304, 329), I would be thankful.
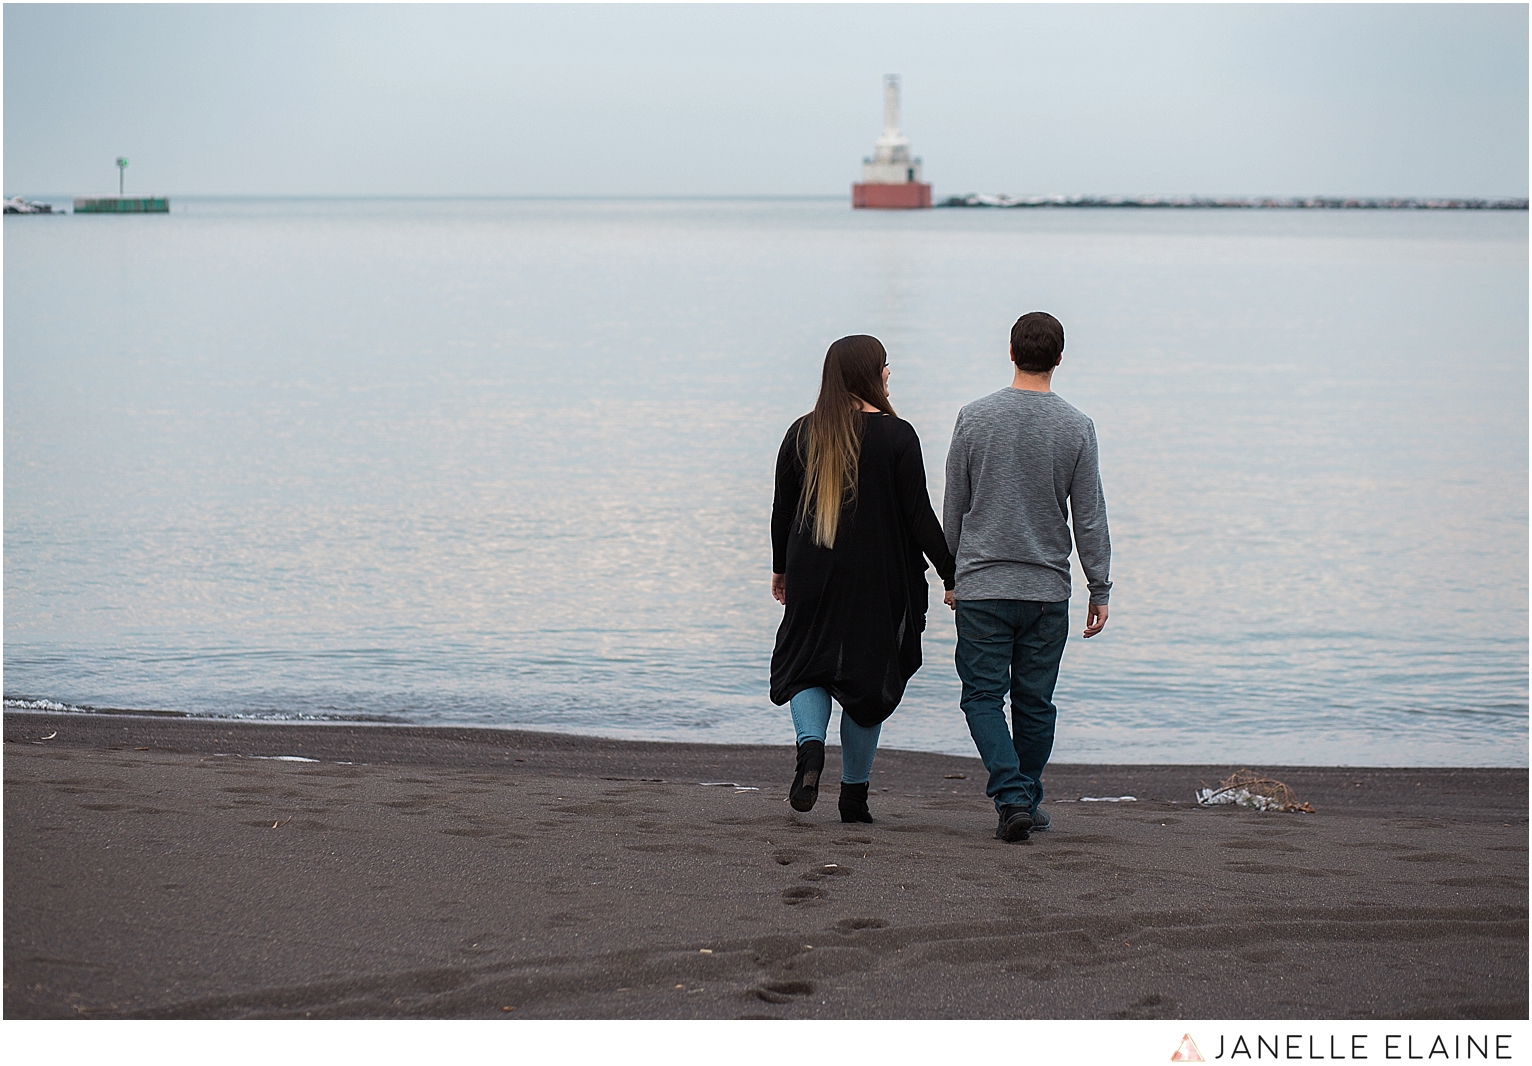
(1095, 619)
(948, 600)
(779, 588)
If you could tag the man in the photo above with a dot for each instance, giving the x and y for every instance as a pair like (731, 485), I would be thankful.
(1022, 467)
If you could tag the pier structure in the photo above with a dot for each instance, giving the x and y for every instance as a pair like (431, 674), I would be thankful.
(891, 176)
(121, 204)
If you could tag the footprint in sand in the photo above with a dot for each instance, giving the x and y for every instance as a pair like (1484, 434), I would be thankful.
(1261, 955)
(1150, 1006)
(851, 925)
(803, 894)
(784, 991)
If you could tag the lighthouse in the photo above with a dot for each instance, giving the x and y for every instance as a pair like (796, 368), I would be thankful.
(891, 178)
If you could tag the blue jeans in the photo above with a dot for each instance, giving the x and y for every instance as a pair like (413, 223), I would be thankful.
(858, 744)
(1011, 645)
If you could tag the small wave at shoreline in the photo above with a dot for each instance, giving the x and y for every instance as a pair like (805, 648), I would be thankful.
(20, 703)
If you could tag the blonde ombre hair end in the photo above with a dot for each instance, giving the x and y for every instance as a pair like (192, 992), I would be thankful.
(830, 440)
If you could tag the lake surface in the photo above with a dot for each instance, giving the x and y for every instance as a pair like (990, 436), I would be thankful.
(508, 463)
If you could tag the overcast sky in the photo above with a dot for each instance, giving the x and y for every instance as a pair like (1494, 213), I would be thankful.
(736, 100)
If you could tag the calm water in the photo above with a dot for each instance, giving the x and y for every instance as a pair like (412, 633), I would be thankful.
(509, 462)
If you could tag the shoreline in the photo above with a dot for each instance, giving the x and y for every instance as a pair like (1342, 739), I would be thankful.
(179, 868)
(52, 709)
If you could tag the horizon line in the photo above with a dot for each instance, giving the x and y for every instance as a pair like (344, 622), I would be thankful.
(726, 197)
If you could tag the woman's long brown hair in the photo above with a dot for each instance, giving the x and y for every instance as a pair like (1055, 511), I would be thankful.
(830, 440)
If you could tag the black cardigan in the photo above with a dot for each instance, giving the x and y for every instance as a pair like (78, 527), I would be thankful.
(855, 612)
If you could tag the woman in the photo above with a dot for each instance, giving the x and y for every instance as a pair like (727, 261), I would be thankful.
(849, 524)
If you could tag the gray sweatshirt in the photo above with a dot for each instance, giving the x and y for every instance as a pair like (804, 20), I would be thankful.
(1021, 466)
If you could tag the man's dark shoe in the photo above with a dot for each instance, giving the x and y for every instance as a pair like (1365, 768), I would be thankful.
(1040, 819)
(853, 803)
(1015, 824)
(811, 762)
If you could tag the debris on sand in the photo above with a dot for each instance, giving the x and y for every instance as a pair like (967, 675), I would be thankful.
(1246, 788)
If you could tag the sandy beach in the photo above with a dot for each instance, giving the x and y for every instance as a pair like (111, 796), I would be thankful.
(175, 868)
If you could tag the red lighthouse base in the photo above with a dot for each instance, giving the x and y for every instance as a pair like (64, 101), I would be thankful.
(907, 195)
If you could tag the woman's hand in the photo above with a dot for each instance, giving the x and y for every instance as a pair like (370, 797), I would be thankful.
(779, 588)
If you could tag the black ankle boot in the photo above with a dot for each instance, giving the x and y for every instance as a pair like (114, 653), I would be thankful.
(805, 790)
(853, 803)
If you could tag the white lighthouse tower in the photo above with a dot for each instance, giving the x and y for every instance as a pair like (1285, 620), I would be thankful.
(891, 177)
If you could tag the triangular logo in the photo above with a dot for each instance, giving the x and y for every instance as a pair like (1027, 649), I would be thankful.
(1187, 1052)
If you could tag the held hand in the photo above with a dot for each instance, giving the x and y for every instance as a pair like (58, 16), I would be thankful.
(779, 588)
(948, 600)
(1095, 619)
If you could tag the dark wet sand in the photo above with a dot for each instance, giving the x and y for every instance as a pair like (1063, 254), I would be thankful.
(154, 868)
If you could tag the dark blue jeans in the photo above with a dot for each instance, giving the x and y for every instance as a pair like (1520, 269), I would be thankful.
(1011, 645)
